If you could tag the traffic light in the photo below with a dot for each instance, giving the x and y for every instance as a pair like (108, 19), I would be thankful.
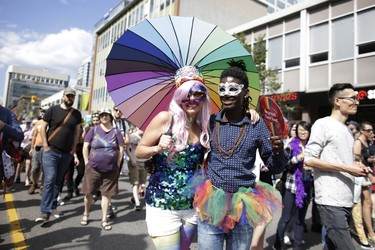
(33, 98)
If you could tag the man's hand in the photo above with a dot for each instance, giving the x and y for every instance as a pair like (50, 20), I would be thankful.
(76, 160)
(277, 143)
(1, 124)
(359, 170)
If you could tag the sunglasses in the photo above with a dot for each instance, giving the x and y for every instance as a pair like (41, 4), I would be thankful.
(194, 101)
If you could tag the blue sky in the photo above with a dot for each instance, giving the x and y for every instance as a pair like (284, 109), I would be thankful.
(55, 35)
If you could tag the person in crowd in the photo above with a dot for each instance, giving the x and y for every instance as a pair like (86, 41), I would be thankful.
(354, 128)
(361, 147)
(177, 140)
(122, 125)
(330, 153)
(230, 204)
(59, 147)
(25, 150)
(137, 171)
(36, 154)
(103, 151)
(292, 133)
(297, 191)
(10, 129)
(359, 183)
(72, 185)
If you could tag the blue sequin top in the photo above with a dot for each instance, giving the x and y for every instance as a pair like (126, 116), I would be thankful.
(166, 187)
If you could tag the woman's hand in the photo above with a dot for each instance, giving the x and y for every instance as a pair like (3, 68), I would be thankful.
(165, 142)
(253, 115)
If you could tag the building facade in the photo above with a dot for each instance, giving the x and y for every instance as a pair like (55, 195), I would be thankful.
(129, 13)
(84, 74)
(31, 86)
(315, 44)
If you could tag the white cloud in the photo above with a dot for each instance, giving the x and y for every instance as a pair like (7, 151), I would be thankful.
(62, 52)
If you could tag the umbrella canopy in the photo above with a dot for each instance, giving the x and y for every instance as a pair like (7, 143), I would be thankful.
(143, 61)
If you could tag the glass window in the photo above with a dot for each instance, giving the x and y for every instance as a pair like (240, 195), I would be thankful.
(319, 38)
(292, 49)
(292, 45)
(343, 38)
(366, 34)
(275, 53)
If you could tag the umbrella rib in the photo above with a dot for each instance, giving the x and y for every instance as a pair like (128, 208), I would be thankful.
(136, 110)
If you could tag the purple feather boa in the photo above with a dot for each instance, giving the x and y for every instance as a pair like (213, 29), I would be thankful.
(300, 189)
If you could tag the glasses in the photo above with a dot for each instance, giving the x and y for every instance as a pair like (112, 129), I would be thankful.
(353, 98)
(194, 101)
(368, 130)
(117, 110)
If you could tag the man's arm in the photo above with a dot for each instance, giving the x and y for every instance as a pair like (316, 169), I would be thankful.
(77, 133)
(357, 169)
(43, 135)
(13, 130)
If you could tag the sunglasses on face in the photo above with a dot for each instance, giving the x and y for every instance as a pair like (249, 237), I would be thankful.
(194, 100)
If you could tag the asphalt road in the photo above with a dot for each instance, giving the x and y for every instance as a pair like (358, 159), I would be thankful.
(128, 227)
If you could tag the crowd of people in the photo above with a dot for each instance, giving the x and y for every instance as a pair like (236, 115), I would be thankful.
(204, 184)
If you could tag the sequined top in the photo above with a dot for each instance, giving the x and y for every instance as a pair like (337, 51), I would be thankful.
(166, 187)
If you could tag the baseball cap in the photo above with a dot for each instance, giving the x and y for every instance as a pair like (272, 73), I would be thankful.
(105, 111)
(69, 91)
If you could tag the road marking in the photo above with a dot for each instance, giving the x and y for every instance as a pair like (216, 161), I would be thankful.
(18, 239)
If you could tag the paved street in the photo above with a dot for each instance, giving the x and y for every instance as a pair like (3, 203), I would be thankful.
(128, 232)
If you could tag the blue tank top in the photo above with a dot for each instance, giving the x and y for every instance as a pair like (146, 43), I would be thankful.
(166, 187)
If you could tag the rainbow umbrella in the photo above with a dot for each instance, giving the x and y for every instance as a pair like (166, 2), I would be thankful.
(142, 63)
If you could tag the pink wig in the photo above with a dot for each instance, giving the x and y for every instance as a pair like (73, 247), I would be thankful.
(181, 123)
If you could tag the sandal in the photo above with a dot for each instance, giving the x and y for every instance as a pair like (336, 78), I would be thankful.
(85, 220)
(105, 226)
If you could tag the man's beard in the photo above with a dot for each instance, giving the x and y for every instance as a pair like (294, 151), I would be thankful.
(68, 103)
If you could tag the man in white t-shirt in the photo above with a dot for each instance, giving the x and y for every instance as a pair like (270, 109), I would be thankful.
(330, 152)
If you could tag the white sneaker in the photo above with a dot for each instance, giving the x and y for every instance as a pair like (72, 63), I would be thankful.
(60, 202)
(287, 241)
(57, 214)
(366, 246)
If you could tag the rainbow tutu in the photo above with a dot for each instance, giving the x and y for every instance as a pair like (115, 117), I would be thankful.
(255, 206)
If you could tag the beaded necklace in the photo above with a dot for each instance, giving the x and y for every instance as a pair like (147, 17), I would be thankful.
(226, 154)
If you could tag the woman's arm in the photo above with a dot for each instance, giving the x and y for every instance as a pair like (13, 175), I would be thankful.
(85, 152)
(154, 140)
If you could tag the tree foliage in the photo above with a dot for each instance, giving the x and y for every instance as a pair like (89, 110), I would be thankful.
(269, 81)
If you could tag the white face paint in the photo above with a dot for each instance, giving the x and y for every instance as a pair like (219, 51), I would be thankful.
(229, 88)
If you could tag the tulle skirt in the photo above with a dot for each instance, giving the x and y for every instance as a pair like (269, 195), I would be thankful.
(255, 206)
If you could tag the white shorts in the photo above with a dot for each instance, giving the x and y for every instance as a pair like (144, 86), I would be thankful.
(162, 222)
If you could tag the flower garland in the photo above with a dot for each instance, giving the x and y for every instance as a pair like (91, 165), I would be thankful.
(300, 189)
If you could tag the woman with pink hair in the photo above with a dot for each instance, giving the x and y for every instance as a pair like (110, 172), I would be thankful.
(177, 140)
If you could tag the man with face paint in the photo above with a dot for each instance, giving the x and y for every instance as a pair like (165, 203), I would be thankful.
(230, 203)
(59, 147)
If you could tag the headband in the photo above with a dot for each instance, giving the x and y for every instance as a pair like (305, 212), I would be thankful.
(188, 73)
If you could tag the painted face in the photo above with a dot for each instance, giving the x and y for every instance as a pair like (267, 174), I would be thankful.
(229, 88)
(196, 95)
